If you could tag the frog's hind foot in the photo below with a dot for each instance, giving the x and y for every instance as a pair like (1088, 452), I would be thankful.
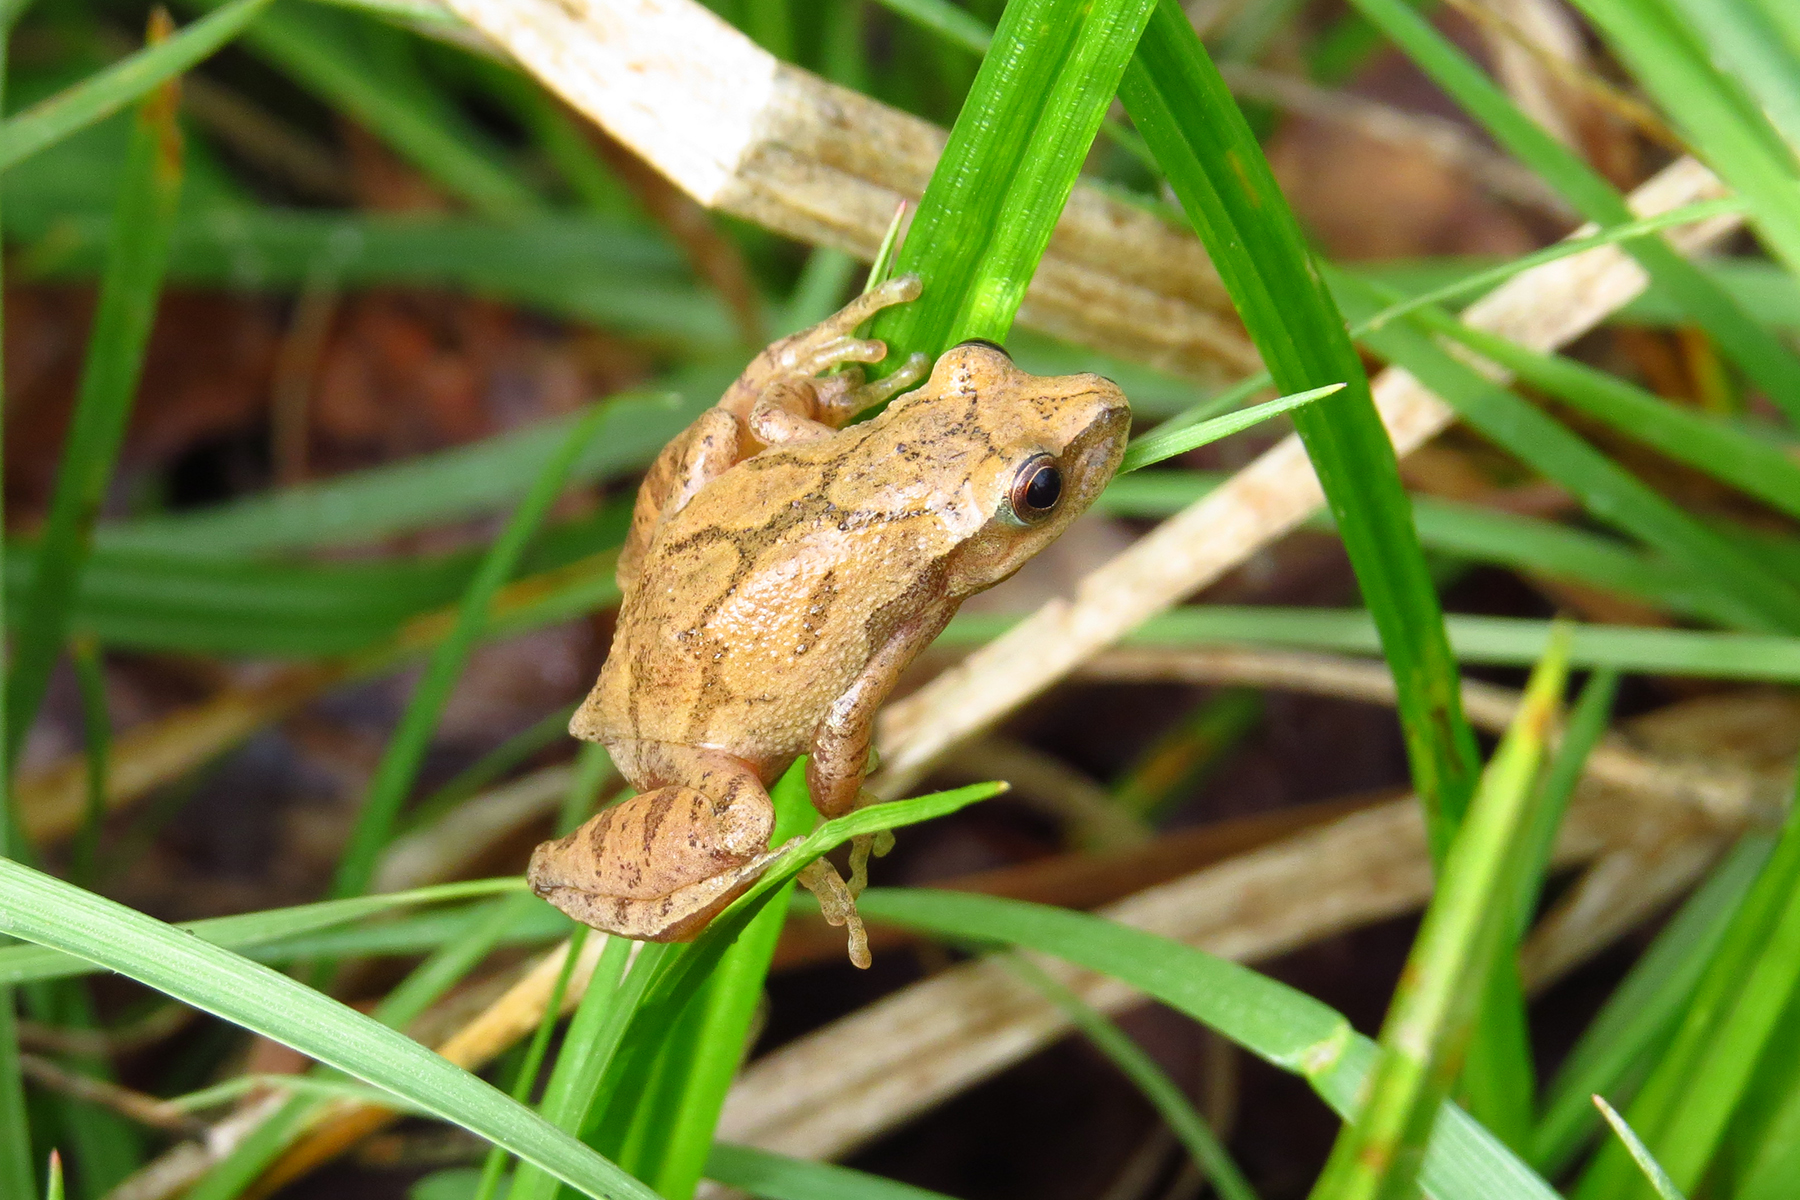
(838, 906)
(861, 847)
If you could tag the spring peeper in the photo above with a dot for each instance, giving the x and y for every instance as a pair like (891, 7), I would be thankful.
(783, 567)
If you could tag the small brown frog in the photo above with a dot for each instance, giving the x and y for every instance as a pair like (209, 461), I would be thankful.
(783, 567)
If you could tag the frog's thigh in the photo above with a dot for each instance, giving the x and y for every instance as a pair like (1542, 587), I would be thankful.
(661, 864)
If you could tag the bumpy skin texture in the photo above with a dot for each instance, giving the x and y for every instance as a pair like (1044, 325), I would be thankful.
(781, 573)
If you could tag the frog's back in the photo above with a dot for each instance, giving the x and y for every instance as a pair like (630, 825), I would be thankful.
(760, 602)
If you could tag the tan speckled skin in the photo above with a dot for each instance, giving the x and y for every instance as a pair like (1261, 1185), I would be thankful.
(770, 607)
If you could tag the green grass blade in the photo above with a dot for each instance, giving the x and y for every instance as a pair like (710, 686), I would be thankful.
(778, 1177)
(53, 1190)
(491, 1170)
(142, 219)
(1466, 926)
(1640, 1153)
(1486, 641)
(1758, 599)
(1046, 173)
(248, 931)
(953, 23)
(17, 1168)
(1727, 130)
(1745, 44)
(587, 1050)
(1718, 447)
(365, 70)
(1643, 1011)
(1164, 1094)
(965, 200)
(106, 92)
(1499, 1077)
(1162, 444)
(1694, 1090)
(1478, 534)
(1184, 111)
(96, 731)
(1277, 1023)
(39, 908)
(1754, 348)
(722, 1016)
(400, 763)
(451, 485)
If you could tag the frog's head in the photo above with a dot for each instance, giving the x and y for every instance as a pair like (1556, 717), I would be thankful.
(1040, 450)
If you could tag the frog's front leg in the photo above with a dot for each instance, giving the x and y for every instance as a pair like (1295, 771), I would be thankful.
(840, 759)
(816, 350)
(662, 864)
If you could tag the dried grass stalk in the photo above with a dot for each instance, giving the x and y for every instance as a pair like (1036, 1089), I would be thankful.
(744, 133)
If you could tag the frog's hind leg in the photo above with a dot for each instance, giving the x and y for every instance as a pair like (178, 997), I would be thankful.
(661, 865)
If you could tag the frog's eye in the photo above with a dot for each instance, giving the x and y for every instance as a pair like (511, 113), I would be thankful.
(1036, 488)
(996, 347)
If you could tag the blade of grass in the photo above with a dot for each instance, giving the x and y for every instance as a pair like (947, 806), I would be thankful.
(1045, 175)
(966, 199)
(100, 95)
(247, 931)
(1379, 1151)
(1499, 1079)
(1485, 535)
(1727, 130)
(1759, 599)
(1761, 355)
(721, 1016)
(17, 1166)
(778, 1177)
(39, 908)
(1278, 1024)
(366, 71)
(1694, 1090)
(591, 1048)
(400, 763)
(96, 730)
(1185, 112)
(1714, 445)
(1640, 1153)
(533, 1062)
(1202, 1144)
(592, 767)
(1643, 1011)
(142, 220)
(1492, 641)
(1162, 444)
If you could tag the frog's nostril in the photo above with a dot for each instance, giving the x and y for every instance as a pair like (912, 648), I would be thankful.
(996, 347)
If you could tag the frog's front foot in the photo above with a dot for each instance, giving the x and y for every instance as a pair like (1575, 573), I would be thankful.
(838, 906)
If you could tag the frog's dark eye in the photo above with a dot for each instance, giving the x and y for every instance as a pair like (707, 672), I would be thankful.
(1037, 487)
(996, 347)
